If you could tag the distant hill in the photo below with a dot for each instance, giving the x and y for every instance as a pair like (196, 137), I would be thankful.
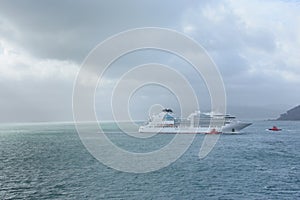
(292, 114)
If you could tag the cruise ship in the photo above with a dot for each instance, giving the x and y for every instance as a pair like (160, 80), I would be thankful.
(197, 122)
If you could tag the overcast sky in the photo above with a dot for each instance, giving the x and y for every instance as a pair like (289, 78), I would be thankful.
(255, 45)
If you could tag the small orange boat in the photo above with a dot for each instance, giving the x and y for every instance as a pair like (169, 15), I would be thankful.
(213, 131)
(274, 128)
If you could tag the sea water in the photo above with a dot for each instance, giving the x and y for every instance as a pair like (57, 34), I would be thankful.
(48, 161)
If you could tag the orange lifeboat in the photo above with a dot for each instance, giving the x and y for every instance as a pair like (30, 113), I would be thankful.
(274, 128)
(213, 131)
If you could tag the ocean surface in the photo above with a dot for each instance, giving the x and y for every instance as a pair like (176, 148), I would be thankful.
(48, 161)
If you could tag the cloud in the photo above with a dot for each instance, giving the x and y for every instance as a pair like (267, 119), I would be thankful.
(16, 64)
(254, 43)
(69, 30)
(43, 43)
(34, 89)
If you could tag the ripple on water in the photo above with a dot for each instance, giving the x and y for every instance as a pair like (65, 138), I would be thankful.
(50, 162)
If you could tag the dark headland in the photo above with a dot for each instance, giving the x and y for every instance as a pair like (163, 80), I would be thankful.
(292, 114)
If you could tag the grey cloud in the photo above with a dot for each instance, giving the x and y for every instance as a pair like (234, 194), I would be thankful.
(250, 58)
(70, 29)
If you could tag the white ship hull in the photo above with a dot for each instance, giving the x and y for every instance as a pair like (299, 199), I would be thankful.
(165, 122)
(234, 127)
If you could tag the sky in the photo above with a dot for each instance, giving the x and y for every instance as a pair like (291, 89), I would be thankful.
(255, 45)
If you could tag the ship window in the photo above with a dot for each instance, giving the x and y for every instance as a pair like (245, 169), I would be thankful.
(168, 117)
